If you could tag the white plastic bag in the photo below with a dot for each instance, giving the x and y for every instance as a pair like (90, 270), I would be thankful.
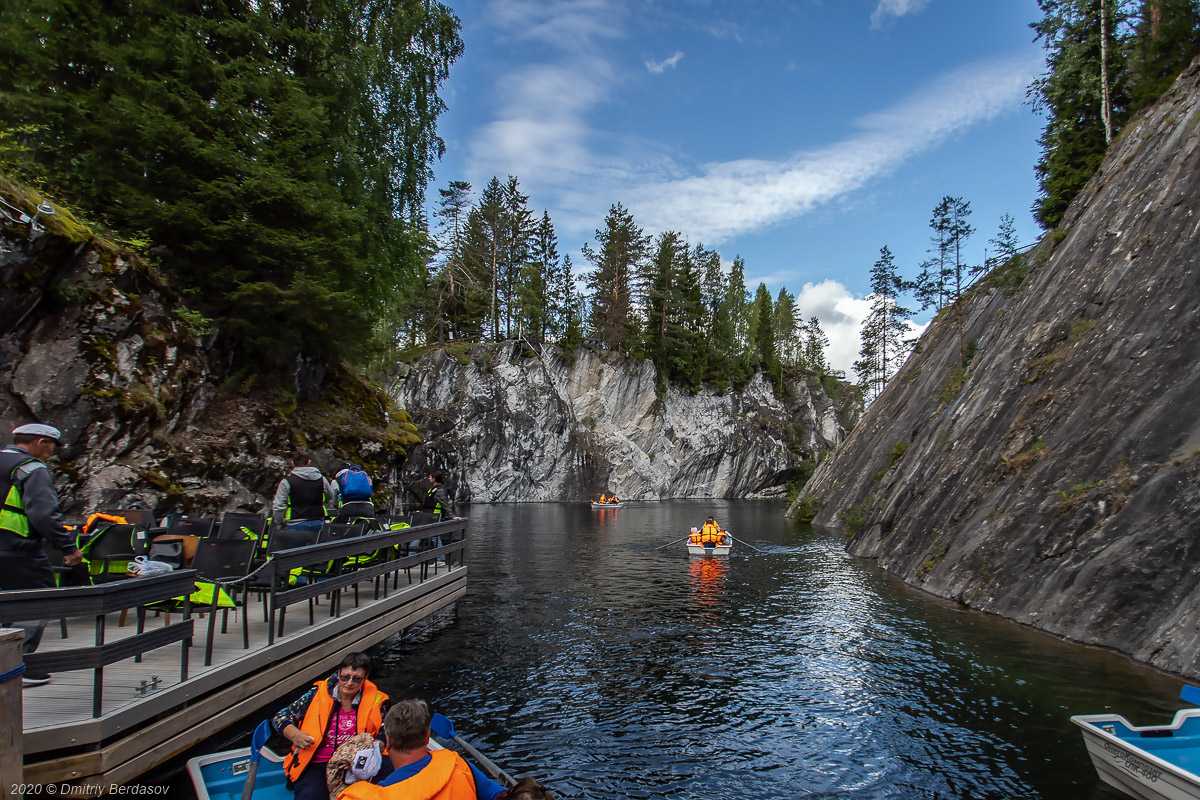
(365, 765)
(143, 567)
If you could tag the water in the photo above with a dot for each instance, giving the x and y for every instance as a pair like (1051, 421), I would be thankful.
(608, 669)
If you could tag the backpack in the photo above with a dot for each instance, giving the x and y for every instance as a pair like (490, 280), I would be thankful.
(354, 484)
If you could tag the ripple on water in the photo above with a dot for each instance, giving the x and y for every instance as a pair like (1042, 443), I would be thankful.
(610, 669)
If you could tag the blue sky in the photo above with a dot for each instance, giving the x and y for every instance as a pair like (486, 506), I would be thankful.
(802, 135)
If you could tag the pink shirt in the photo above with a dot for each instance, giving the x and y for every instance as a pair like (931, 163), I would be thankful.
(343, 725)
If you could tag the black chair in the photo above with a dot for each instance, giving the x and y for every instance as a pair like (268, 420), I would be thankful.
(356, 510)
(193, 526)
(240, 525)
(225, 563)
(109, 549)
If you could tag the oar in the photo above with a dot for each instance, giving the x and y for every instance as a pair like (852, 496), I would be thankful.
(443, 728)
(677, 541)
(257, 740)
(743, 541)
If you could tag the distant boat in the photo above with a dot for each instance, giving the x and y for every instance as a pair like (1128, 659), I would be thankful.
(608, 505)
(1153, 762)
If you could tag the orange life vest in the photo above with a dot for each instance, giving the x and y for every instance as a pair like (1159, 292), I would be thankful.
(603, 499)
(711, 533)
(316, 720)
(445, 777)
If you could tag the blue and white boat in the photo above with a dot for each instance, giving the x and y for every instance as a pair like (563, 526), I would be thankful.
(1150, 762)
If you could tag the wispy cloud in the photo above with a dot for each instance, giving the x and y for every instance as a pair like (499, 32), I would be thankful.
(720, 200)
(659, 67)
(895, 8)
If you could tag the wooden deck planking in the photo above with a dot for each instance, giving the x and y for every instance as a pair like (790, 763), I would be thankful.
(68, 697)
(134, 754)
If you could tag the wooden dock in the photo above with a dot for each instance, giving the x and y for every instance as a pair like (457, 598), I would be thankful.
(132, 707)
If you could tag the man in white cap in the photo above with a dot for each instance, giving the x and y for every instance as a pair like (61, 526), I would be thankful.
(30, 521)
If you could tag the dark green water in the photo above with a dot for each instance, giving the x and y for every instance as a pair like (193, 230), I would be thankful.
(585, 657)
(611, 670)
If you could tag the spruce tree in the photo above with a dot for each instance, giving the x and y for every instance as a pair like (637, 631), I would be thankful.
(816, 343)
(764, 335)
(784, 323)
(620, 249)
(519, 232)
(492, 246)
(1003, 246)
(661, 272)
(1166, 38)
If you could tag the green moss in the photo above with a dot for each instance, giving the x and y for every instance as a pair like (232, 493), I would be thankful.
(139, 399)
(1008, 277)
(164, 484)
(1069, 498)
(934, 556)
(898, 451)
(854, 519)
(196, 323)
(807, 509)
(1079, 329)
(1033, 453)
(952, 385)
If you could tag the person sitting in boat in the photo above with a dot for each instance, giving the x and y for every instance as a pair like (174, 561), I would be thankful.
(603, 499)
(417, 771)
(334, 710)
(711, 534)
(694, 536)
(614, 500)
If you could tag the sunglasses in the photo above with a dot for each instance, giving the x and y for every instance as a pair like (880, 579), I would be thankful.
(351, 678)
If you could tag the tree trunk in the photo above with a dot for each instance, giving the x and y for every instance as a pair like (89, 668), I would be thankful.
(1106, 104)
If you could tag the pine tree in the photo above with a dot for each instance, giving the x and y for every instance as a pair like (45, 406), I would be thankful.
(491, 245)
(951, 230)
(620, 248)
(883, 332)
(1166, 38)
(686, 345)
(784, 323)
(519, 232)
(278, 159)
(548, 298)
(816, 343)
(737, 305)
(661, 272)
(1003, 246)
(764, 335)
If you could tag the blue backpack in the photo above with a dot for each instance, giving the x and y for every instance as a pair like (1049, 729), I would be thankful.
(354, 484)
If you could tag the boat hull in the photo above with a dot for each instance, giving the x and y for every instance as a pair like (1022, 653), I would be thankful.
(608, 505)
(221, 776)
(700, 550)
(1113, 745)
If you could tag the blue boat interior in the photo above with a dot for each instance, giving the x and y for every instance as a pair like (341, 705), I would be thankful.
(224, 783)
(1180, 747)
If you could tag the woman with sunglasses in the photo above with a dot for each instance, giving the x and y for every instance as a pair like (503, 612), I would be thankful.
(331, 712)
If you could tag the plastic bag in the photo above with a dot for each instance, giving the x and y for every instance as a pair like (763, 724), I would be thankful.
(143, 567)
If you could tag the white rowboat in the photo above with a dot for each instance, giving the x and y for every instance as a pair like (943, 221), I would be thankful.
(608, 505)
(716, 550)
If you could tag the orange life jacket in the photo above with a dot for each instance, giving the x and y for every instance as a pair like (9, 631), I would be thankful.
(711, 532)
(316, 720)
(603, 499)
(445, 777)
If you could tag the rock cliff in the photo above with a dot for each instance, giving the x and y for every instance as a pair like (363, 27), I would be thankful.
(509, 425)
(151, 409)
(1056, 479)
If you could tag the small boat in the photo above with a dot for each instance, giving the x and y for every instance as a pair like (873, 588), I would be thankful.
(1152, 762)
(222, 776)
(607, 505)
(711, 550)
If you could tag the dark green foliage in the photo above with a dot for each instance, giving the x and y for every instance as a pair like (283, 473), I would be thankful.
(276, 154)
(764, 336)
(1149, 42)
(884, 346)
(620, 249)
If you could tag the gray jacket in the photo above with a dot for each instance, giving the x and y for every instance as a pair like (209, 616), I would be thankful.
(40, 499)
(284, 489)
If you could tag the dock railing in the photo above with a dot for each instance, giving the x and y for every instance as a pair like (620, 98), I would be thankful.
(99, 601)
(346, 564)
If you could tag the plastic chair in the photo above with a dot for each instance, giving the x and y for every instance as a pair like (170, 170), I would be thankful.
(224, 563)
(240, 525)
(108, 551)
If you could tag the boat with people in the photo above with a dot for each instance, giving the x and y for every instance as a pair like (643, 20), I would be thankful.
(608, 501)
(1149, 762)
(709, 540)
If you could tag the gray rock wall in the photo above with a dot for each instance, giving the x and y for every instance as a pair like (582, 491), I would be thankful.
(510, 427)
(1057, 480)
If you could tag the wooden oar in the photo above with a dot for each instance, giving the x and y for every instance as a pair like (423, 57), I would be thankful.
(743, 541)
(442, 727)
(677, 541)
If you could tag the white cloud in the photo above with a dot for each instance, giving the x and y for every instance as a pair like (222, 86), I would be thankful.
(720, 200)
(841, 315)
(659, 67)
(895, 8)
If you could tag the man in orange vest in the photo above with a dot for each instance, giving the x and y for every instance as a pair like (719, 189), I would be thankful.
(419, 773)
(711, 534)
(331, 712)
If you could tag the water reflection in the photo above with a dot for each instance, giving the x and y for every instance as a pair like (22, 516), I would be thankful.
(614, 670)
